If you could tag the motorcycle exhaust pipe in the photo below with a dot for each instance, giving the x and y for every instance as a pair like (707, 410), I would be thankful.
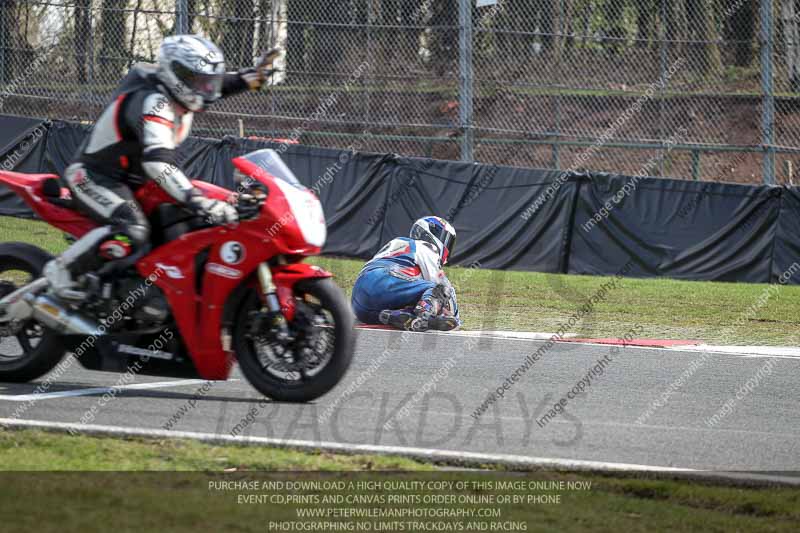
(14, 306)
(50, 313)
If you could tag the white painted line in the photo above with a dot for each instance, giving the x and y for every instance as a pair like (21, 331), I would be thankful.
(753, 351)
(687, 348)
(406, 451)
(486, 334)
(99, 390)
(479, 460)
(778, 352)
(528, 335)
(781, 352)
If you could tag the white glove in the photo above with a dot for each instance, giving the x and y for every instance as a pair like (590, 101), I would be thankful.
(216, 211)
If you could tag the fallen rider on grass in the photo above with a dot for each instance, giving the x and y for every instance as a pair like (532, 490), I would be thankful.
(404, 286)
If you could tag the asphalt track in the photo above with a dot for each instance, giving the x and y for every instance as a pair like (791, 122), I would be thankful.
(441, 379)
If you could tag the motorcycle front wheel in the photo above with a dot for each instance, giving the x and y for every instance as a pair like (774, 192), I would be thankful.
(316, 354)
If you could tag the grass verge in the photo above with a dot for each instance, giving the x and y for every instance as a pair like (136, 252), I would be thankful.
(184, 501)
(715, 312)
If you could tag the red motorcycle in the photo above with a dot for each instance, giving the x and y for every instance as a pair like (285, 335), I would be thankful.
(202, 297)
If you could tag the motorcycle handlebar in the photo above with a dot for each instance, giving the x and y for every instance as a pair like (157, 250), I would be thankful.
(249, 205)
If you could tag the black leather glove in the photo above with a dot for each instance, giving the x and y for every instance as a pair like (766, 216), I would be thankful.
(256, 76)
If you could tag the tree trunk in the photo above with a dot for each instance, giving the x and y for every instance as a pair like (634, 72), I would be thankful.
(399, 46)
(548, 10)
(676, 26)
(645, 9)
(791, 35)
(444, 40)
(331, 35)
(522, 16)
(83, 28)
(707, 59)
(266, 37)
(568, 24)
(741, 28)
(409, 38)
(613, 11)
(9, 38)
(406, 40)
(298, 11)
(191, 9)
(112, 53)
(237, 33)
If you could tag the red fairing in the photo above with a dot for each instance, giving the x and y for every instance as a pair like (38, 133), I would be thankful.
(151, 195)
(29, 187)
(213, 191)
(251, 169)
(198, 316)
(286, 276)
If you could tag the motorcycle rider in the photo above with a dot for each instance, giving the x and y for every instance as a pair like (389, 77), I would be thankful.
(404, 286)
(135, 139)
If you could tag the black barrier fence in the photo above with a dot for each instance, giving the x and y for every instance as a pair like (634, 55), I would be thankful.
(506, 218)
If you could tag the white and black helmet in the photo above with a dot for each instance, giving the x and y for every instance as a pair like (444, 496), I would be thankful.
(192, 69)
(438, 232)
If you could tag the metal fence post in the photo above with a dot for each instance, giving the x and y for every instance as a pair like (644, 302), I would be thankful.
(558, 43)
(3, 48)
(767, 89)
(663, 57)
(465, 78)
(90, 78)
(182, 16)
(366, 83)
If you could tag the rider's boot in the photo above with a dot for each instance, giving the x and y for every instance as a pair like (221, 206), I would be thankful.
(403, 319)
(443, 323)
(76, 260)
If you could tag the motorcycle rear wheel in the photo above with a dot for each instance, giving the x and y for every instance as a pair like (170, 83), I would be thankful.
(40, 348)
(311, 364)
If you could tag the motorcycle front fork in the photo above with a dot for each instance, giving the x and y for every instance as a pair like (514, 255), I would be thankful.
(273, 303)
(268, 290)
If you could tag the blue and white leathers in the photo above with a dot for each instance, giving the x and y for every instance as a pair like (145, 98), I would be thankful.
(401, 274)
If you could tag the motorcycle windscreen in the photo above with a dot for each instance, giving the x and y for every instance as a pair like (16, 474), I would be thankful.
(306, 213)
(268, 160)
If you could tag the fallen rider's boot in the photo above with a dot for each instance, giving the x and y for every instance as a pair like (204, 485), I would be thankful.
(443, 323)
(402, 319)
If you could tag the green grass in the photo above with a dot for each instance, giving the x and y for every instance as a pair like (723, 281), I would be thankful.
(182, 501)
(529, 301)
(37, 450)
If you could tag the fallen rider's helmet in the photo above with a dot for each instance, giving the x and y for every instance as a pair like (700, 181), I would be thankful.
(438, 232)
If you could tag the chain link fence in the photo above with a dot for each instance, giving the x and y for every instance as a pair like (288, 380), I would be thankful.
(695, 89)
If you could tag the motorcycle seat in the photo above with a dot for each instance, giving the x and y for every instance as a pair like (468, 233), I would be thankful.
(54, 193)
